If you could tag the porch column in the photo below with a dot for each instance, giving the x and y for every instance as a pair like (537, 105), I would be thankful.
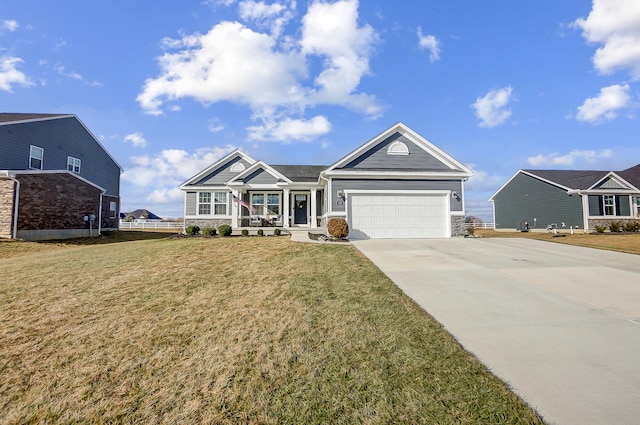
(285, 208)
(234, 210)
(314, 216)
(585, 212)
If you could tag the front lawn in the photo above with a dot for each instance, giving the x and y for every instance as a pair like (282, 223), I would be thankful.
(227, 330)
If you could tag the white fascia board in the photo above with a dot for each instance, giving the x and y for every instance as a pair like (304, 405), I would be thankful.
(530, 175)
(204, 188)
(612, 175)
(266, 167)
(218, 164)
(415, 138)
(397, 192)
(398, 174)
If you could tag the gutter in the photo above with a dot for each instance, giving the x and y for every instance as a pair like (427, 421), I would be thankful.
(16, 203)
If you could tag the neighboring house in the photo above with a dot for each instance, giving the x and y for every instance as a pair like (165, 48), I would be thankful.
(56, 179)
(140, 215)
(397, 185)
(569, 198)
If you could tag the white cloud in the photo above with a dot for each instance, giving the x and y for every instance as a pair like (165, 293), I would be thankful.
(555, 159)
(136, 139)
(215, 125)
(9, 25)
(430, 43)
(604, 106)
(171, 167)
(60, 69)
(482, 181)
(614, 24)
(492, 109)
(10, 75)
(269, 72)
(165, 196)
(288, 130)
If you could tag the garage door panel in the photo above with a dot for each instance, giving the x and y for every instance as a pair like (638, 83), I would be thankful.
(398, 216)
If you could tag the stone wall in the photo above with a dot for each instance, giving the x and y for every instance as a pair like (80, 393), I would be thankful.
(6, 207)
(457, 225)
(204, 222)
(605, 222)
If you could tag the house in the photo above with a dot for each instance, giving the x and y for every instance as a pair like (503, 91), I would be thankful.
(567, 198)
(56, 179)
(396, 185)
(141, 215)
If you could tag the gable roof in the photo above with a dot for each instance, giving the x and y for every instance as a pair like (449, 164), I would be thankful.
(453, 167)
(632, 175)
(222, 161)
(300, 173)
(260, 165)
(13, 117)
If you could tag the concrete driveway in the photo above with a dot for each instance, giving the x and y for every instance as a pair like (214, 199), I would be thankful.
(560, 324)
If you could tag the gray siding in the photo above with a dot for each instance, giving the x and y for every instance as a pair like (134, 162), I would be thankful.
(260, 177)
(191, 203)
(610, 184)
(377, 158)
(221, 175)
(60, 138)
(340, 185)
(526, 198)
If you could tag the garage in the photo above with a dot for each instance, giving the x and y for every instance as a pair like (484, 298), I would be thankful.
(398, 215)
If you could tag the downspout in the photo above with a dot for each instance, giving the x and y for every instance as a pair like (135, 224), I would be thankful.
(16, 203)
(100, 213)
(327, 196)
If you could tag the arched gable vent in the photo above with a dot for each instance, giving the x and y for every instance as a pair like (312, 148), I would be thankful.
(237, 167)
(397, 148)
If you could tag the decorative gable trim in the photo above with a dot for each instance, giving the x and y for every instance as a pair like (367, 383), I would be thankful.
(213, 167)
(456, 167)
(618, 183)
(239, 179)
(398, 148)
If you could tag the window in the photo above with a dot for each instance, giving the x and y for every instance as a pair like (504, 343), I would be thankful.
(273, 204)
(113, 207)
(637, 206)
(73, 164)
(257, 203)
(237, 167)
(36, 155)
(397, 148)
(609, 203)
(265, 204)
(204, 203)
(220, 203)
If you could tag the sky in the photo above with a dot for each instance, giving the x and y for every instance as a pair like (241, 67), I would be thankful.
(170, 87)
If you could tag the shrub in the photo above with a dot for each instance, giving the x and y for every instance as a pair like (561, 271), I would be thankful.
(276, 232)
(192, 230)
(600, 229)
(260, 232)
(632, 226)
(224, 230)
(615, 227)
(209, 231)
(338, 228)
(471, 231)
(245, 232)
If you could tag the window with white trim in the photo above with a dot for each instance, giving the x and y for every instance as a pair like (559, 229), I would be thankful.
(609, 204)
(36, 155)
(220, 203)
(204, 203)
(237, 167)
(113, 208)
(73, 164)
(266, 204)
(397, 148)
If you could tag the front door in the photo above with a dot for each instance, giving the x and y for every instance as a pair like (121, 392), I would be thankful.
(300, 209)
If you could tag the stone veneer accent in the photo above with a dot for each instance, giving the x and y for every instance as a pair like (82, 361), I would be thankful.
(6, 207)
(457, 225)
(206, 222)
(605, 222)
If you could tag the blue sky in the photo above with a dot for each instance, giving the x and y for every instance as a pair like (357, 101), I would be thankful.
(170, 87)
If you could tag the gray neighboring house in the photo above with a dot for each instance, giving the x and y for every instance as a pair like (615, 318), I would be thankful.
(57, 180)
(396, 185)
(573, 198)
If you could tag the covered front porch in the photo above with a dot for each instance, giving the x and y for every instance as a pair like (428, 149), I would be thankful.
(268, 208)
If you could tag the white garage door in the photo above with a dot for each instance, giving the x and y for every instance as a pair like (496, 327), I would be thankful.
(415, 216)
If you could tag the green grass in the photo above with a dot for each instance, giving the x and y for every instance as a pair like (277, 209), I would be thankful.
(228, 330)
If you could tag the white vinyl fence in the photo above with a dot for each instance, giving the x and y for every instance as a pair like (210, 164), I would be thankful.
(131, 225)
(478, 225)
